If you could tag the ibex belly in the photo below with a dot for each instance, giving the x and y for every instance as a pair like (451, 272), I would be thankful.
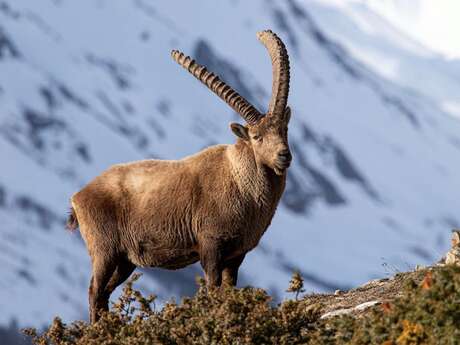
(150, 255)
(169, 249)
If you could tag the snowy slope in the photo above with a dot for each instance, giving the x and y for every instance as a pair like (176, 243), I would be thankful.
(87, 84)
(375, 40)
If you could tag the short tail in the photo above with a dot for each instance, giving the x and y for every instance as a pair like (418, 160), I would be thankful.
(72, 221)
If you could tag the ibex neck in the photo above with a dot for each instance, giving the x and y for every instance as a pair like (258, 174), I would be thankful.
(254, 179)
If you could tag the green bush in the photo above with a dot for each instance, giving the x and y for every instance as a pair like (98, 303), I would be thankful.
(427, 313)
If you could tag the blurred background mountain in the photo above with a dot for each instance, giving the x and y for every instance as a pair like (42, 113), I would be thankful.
(375, 134)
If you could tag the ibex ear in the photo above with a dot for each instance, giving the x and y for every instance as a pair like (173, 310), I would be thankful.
(287, 114)
(240, 131)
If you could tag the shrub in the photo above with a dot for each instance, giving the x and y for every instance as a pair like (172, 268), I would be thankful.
(427, 313)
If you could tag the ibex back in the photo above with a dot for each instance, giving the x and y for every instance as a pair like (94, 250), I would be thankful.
(211, 207)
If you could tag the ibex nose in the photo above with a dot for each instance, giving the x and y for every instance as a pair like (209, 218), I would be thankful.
(285, 156)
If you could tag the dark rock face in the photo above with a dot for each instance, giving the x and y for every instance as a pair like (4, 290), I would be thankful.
(37, 126)
(7, 47)
(232, 75)
(2, 197)
(118, 73)
(300, 195)
(40, 214)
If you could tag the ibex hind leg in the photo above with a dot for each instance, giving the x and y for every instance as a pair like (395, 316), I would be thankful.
(121, 273)
(103, 269)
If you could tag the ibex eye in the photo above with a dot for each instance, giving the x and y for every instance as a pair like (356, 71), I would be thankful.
(257, 137)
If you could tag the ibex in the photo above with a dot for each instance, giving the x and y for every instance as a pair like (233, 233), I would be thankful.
(211, 207)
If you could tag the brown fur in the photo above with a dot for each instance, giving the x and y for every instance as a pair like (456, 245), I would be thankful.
(211, 207)
(72, 222)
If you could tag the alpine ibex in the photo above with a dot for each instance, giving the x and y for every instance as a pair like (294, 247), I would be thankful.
(211, 207)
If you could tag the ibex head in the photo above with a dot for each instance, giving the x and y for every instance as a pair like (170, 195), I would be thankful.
(265, 133)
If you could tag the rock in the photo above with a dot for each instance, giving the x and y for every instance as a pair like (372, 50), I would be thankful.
(453, 255)
(345, 311)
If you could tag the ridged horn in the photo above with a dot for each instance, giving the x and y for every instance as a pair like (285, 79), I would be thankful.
(220, 88)
(280, 70)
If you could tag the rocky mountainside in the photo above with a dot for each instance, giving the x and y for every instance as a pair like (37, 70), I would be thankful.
(87, 84)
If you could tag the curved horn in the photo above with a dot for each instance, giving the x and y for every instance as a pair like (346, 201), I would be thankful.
(280, 66)
(221, 89)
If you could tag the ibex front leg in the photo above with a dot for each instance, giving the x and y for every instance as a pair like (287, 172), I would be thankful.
(211, 261)
(230, 270)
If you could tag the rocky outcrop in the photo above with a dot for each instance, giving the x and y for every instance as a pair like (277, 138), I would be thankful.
(380, 291)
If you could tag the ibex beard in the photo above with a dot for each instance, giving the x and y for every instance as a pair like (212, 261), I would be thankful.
(211, 207)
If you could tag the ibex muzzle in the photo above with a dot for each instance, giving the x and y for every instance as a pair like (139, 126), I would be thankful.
(211, 207)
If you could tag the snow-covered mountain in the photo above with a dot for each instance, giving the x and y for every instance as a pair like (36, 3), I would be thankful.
(374, 40)
(90, 83)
